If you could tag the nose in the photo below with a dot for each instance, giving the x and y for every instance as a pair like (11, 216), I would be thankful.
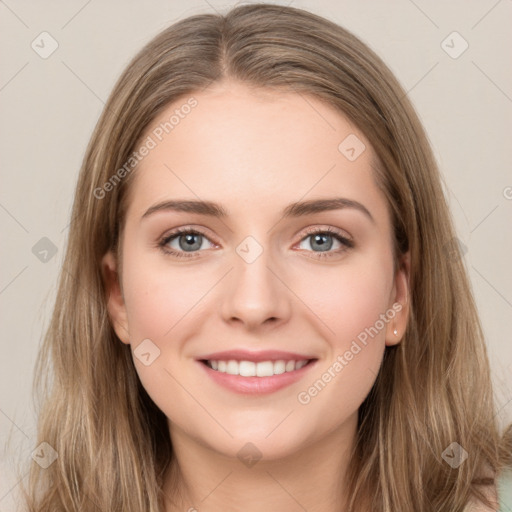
(256, 293)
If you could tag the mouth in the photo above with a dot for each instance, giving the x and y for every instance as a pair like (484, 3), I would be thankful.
(246, 368)
(261, 377)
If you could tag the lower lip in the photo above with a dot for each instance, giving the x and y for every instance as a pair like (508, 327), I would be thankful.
(256, 385)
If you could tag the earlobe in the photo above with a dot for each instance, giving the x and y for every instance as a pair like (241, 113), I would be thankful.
(114, 299)
(396, 327)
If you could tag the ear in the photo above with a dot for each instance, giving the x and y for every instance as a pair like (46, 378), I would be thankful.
(115, 300)
(399, 302)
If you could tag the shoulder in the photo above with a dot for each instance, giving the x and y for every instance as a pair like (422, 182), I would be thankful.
(499, 494)
(505, 490)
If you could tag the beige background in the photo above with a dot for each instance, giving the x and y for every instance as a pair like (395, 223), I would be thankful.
(50, 106)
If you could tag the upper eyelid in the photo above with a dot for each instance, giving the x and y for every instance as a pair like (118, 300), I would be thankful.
(185, 230)
(308, 231)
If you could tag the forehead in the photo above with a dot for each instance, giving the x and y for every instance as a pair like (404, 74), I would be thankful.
(255, 148)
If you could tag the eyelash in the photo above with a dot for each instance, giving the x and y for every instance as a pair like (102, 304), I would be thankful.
(348, 243)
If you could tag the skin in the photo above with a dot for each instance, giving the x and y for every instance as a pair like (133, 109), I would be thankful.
(255, 152)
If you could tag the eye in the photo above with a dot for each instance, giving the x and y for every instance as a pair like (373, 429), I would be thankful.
(188, 241)
(185, 240)
(322, 239)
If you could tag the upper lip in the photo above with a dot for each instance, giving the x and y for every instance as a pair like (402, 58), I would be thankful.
(247, 355)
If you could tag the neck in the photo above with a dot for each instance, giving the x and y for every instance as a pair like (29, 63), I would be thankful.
(201, 479)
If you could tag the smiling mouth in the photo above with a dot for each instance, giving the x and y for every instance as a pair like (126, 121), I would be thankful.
(256, 369)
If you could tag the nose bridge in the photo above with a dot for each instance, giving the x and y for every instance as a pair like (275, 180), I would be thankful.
(255, 294)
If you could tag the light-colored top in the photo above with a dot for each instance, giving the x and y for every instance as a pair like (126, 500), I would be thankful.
(505, 491)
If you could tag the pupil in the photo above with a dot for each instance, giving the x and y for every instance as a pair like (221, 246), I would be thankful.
(190, 244)
(323, 245)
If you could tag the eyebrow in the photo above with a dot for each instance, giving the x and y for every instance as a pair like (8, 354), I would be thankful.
(298, 209)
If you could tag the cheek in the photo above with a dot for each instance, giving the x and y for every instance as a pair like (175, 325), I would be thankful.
(161, 303)
(158, 296)
(164, 302)
(162, 299)
(353, 303)
(350, 299)
(360, 300)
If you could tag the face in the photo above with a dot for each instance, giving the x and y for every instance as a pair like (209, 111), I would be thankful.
(317, 284)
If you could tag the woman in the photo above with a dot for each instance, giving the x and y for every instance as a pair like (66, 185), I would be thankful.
(261, 303)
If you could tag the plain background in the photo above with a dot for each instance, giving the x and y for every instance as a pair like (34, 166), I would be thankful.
(50, 106)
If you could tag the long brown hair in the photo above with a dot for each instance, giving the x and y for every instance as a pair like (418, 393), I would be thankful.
(433, 389)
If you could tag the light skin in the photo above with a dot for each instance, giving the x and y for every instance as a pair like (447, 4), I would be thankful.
(255, 152)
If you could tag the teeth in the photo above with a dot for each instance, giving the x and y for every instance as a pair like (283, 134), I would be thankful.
(252, 369)
(300, 364)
